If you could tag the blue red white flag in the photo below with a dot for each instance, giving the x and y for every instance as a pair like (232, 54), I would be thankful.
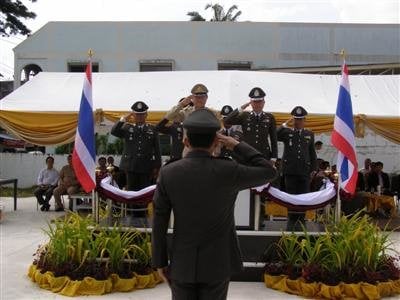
(343, 138)
(84, 154)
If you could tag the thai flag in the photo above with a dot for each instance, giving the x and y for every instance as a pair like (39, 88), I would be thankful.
(84, 155)
(343, 136)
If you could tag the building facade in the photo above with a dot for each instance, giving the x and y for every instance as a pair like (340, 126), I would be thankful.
(182, 46)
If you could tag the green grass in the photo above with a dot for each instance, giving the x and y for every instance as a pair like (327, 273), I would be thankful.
(21, 193)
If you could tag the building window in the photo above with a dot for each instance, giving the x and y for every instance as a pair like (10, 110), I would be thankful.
(156, 65)
(80, 67)
(234, 65)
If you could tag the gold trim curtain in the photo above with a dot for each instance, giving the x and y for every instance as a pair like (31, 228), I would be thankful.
(52, 128)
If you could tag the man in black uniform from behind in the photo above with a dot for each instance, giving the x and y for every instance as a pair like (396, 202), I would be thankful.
(201, 191)
(298, 160)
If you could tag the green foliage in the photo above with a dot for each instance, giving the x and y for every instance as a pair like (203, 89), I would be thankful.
(77, 240)
(65, 148)
(351, 246)
(289, 250)
(102, 146)
(11, 13)
(219, 14)
(356, 243)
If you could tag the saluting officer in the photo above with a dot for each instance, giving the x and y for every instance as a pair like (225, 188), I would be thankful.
(141, 158)
(175, 131)
(234, 131)
(299, 157)
(257, 125)
(195, 101)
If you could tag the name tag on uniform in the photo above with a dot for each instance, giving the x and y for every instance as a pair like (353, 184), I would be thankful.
(265, 120)
(308, 137)
(130, 129)
(291, 135)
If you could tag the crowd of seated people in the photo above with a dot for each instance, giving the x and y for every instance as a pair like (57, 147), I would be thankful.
(372, 178)
(51, 183)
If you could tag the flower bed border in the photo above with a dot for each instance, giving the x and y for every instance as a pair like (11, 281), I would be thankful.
(318, 290)
(89, 286)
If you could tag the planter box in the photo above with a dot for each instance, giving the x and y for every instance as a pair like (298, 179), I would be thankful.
(318, 290)
(90, 286)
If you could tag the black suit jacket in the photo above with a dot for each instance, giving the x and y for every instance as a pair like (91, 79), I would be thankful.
(201, 190)
(299, 157)
(237, 135)
(141, 147)
(175, 130)
(373, 181)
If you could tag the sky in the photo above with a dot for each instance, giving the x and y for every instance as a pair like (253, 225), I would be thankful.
(315, 11)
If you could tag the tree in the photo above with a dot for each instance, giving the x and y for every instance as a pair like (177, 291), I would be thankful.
(219, 14)
(11, 11)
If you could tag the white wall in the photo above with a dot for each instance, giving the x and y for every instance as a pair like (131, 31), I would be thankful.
(26, 167)
(119, 46)
(371, 146)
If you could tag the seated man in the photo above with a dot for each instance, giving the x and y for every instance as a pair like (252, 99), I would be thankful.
(68, 184)
(47, 182)
(379, 180)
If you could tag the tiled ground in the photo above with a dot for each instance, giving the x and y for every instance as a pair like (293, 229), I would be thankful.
(21, 233)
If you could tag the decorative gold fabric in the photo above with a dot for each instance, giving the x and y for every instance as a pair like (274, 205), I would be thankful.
(52, 128)
(316, 290)
(277, 210)
(90, 286)
(374, 202)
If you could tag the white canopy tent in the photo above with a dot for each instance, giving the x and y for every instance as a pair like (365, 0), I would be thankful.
(61, 92)
(44, 110)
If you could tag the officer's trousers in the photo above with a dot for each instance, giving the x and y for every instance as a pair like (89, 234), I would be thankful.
(199, 291)
(296, 184)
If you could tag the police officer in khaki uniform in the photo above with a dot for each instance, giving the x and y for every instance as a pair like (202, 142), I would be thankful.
(259, 127)
(201, 191)
(234, 131)
(141, 158)
(197, 100)
(298, 160)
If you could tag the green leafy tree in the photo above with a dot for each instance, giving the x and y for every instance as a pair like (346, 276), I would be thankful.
(11, 13)
(219, 14)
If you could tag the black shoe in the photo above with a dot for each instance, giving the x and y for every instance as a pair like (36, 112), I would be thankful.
(59, 209)
(47, 207)
(43, 208)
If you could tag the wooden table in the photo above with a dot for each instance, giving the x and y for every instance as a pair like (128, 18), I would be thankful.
(14, 181)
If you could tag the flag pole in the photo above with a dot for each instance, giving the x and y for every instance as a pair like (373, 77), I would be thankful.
(338, 202)
(95, 204)
(338, 208)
